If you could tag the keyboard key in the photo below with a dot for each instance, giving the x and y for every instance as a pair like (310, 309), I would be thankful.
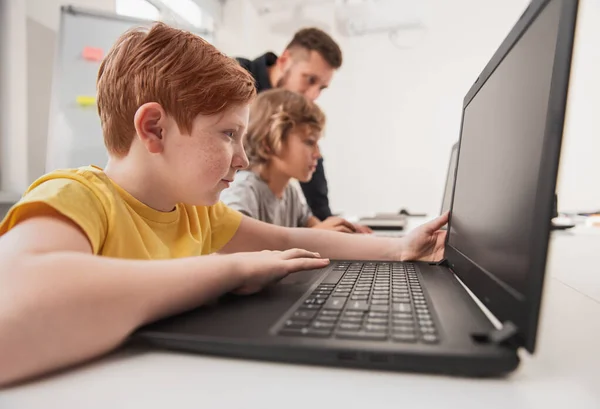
(335, 303)
(351, 320)
(362, 335)
(376, 314)
(327, 318)
(323, 325)
(375, 328)
(404, 337)
(296, 323)
(353, 314)
(349, 326)
(402, 321)
(380, 302)
(358, 306)
(334, 313)
(377, 320)
(380, 308)
(403, 328)
(430, 338)
(305, 314)
(310, 307)
(401, 307)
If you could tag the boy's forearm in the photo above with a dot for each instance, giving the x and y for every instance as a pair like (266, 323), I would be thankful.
(343, 246)
(62, 308)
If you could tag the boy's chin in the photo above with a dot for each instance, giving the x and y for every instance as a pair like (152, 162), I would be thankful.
(305, 178)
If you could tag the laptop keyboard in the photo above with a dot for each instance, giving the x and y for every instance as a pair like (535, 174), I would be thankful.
(365, 301)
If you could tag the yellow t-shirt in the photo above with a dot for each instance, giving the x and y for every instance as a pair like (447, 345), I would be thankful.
(119, 225)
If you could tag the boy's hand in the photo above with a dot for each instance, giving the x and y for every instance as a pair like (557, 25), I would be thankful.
(259, 269)
(426, 242)
(336, 224)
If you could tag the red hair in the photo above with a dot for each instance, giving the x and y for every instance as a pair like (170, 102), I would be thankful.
(182, 72)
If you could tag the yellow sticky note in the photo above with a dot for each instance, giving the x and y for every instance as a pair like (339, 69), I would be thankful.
(85, 100)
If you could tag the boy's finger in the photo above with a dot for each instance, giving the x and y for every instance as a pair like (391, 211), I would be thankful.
(299, 264)
(297, 253)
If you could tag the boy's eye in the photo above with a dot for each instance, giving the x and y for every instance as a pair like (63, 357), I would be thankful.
(231, 134)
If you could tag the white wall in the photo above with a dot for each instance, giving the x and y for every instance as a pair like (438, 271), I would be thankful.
(240, 33)
(580, 168)
(394, 113)
(47, 12)
(13, 96)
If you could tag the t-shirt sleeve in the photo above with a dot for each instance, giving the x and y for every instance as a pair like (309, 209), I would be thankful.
(241, 196)
(224, 222)
(69, 197)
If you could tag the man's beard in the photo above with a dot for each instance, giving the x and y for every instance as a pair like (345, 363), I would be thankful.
(283, 80)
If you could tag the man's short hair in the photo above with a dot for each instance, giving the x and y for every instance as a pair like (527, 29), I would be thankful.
(314, 39)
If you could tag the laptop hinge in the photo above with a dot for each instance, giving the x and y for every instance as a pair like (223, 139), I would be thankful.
(443, 263)
(507, 335)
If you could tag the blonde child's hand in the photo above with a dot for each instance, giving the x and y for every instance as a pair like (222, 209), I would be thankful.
(361, 228)
(336, 224)
(259, 269)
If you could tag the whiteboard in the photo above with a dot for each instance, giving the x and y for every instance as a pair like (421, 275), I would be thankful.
(74, 130)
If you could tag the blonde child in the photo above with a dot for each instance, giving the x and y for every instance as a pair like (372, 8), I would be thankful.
(90, 254)
(282, 143)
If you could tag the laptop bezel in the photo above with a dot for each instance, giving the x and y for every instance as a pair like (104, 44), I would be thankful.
(501, 300)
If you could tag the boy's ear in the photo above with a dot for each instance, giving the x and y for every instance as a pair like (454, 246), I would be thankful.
(150, 121)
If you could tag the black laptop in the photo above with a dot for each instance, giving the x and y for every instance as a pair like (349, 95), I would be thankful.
(417, 316)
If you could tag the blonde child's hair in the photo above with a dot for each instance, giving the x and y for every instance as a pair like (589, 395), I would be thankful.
(273, 114)
(182, 72)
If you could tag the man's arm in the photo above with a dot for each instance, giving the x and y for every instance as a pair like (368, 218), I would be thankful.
(316, 191)
(61, 305)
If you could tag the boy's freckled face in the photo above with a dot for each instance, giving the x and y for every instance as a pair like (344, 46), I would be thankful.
(207, 159)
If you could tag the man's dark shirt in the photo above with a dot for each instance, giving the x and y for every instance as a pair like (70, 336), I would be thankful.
(315, 190)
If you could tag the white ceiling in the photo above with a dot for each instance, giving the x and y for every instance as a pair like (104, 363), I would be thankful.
(267, 6)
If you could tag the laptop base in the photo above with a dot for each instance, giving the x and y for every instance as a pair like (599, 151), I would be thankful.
(246, 327)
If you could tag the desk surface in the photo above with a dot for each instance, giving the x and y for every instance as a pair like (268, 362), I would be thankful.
(564, 372)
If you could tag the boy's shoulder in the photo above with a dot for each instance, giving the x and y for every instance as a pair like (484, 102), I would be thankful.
(89, 179)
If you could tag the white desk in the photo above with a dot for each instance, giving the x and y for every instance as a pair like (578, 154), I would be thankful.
(564, 373)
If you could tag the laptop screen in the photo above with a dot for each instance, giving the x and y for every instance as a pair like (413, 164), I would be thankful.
(501, 145)
(447, 199)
